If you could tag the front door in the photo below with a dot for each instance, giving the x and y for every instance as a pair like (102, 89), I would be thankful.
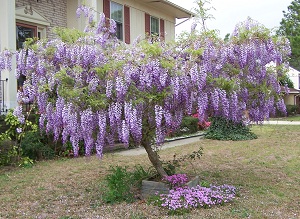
(23, 32)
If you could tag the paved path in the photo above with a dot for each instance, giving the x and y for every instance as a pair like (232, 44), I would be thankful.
(279, 122)
(141, 150)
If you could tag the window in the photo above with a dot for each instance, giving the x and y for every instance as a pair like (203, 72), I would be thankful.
(116, 13)
(154, 23)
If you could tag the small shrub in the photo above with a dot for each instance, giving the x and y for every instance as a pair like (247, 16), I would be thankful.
(169, 168)
(140, 174)
(118, 183)
(35, 147)
(223, 129)
(292, 109)
(9, 154)
(26, 162)
(189, 125)
(122, 185)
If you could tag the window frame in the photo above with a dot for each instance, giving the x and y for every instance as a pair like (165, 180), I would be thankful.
(33, 27)
(120, 24)
(158, 26)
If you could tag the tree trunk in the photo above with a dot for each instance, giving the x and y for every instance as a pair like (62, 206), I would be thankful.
(147, 140)
(153, 157)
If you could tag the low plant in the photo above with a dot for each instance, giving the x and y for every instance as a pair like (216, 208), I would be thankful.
(16, 130)
(140, 174)
(189, 125)
(30, 142)
(122, 185)
(223, 129)
(12, 155)
(8, 152)
(34, 145)
(26, 162)
(292, 109)
(118, 184)
(204, 124)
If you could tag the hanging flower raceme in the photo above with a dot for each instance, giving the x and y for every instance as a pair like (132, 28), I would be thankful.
(5, 60)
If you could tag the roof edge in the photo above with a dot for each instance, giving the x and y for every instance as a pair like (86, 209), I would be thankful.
(188, 12)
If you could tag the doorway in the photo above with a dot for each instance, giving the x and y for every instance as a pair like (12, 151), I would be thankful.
(23, 32)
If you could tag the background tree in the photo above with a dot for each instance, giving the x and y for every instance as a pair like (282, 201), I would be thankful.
(290, 27)
(286, 81)
(226, 38)
(202, 13)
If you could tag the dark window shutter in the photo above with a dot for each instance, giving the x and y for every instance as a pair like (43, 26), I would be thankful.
(127, 24)
(106, 8)
(162, 29)
(147, 24)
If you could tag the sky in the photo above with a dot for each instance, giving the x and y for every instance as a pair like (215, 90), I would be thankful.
(228, 13)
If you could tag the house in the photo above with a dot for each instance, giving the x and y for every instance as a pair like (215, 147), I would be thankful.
(294, 75)
(21, 19)
(293, 97)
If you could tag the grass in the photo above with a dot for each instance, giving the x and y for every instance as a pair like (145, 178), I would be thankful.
(266, 172)
(289, 118)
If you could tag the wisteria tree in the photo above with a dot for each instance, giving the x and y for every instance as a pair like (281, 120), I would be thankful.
(91, 87)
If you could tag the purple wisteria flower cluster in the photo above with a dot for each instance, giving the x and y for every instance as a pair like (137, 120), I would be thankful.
(5, 60)
(185, 198)
(99, 90)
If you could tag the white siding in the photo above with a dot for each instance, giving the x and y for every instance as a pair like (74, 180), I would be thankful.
(137, 17)
(137, 24)
(170, 30)
(8, 41)
(294, 76)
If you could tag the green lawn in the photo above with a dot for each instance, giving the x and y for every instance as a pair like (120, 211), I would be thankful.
(289, 118)
(266, 172)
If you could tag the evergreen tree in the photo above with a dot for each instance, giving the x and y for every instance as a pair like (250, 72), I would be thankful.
(290, 27)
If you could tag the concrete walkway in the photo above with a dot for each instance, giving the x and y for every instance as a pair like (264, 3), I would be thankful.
(171, 144)
(185, 141)
(279, 122)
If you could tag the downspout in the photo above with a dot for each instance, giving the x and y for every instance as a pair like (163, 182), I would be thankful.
(3, 90)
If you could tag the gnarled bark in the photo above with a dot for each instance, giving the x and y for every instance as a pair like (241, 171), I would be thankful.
(153, 157)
